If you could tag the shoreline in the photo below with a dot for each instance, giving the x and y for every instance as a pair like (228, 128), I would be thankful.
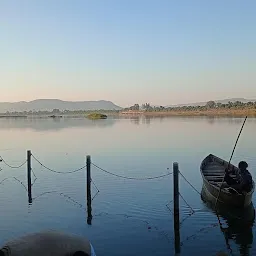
(217, 113)
(214, 112)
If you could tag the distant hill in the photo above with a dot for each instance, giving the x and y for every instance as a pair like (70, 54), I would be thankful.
(50, 104)
(224, 101)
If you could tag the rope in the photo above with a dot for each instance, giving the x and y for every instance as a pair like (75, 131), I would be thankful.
(14, 179)
(4, 180)
(149, 226)
(189, 183)
(21, 183)
(95, 185)
(33, 173)
(51, 170)
(44, 193)
(167, 206)
(186, 203)
(198, 232)
(10, 166)
(33, 182)
(189, 215)
(131, 178)
(95, 195)
(60, 194)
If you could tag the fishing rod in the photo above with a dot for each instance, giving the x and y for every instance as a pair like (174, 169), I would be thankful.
(226, 239)
(230, 160)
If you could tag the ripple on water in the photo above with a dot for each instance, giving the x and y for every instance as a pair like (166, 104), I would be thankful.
(129, 217)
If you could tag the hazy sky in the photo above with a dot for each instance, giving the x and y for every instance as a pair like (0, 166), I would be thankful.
(127, 51)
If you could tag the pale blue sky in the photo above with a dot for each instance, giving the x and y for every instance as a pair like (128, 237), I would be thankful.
(127, 51)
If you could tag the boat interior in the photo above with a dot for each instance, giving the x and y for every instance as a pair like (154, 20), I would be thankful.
(214, 171)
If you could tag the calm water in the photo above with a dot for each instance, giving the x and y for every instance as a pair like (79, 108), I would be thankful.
(129, 217)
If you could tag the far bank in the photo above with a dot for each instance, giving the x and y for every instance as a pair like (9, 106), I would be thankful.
(250, 112)
(210, 112)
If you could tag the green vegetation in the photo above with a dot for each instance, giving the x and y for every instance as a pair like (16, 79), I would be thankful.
(57, 113)
(210, 108)
(213, 108)
(96, 116)
(210, 105)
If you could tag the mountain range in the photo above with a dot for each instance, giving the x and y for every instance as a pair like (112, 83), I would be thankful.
(50, 104)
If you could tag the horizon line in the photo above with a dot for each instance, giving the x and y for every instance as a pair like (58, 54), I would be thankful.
(164, 105)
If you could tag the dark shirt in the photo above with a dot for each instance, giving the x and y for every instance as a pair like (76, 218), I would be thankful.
(244, 178)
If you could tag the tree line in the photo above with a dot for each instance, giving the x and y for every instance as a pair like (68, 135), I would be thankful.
(210, 105)
(57, 112)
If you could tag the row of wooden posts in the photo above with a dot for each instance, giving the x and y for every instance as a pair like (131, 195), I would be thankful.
(89, 198)
(88, 182)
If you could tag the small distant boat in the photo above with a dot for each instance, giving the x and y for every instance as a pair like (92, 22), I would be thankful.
(213, 170)
(53, 116)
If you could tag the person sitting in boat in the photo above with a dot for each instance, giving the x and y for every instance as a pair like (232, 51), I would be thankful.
(243, 181)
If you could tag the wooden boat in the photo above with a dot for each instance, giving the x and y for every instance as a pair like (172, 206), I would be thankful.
(213, 170)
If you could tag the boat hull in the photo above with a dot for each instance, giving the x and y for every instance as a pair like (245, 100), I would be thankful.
(226, 198)
(212, 191)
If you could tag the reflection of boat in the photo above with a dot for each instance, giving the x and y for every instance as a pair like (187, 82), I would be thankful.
(238, 222)
(246, 214)
(213, 170)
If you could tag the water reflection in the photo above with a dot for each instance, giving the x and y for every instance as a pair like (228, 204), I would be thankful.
(210, 119)
(135, 120)
(53, 124)
(140, 119)
(238, 224)
(146, 120)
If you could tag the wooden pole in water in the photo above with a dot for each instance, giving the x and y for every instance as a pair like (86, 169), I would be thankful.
(176, 207)
(29, 176)
(89, 197)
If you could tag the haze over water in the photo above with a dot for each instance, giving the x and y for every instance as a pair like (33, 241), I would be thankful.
(130, 217)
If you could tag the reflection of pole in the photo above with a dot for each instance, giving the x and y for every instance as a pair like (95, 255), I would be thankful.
(89, 197)
(176, 207)
(29, 176)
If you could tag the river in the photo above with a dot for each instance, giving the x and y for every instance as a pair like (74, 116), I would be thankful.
(130, 217)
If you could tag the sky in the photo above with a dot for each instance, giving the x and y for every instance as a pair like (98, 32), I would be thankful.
(127, 51)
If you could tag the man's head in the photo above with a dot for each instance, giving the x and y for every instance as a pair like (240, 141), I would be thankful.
(242, 165)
